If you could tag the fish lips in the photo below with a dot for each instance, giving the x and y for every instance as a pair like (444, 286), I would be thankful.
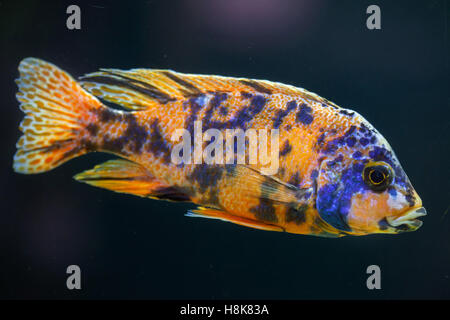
(408, 221)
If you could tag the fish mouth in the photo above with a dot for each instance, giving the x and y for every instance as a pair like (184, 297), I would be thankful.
(408, 221)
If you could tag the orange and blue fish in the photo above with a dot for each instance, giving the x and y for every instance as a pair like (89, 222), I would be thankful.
(337, 174)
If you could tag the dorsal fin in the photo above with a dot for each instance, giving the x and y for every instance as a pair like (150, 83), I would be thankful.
(140, 89)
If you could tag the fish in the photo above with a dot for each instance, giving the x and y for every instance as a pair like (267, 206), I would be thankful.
(337, 175)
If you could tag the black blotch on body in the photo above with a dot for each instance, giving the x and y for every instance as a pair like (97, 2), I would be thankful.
(195, 108)
(206, 176)
(115, 145)
(217, 99)
(264, 211)
(295, 179)
(281, 114)
(298, 216)
(304, 115)
(213, 196)
(107, 115)
(286, 148)
(134, 133)
(242, 118)
(133, 137)
(383, 224)
(246, 95)
(157, 144)
(214, 103)
(347, 113)
(223, 110)
(257, 104)
(320, 140)
(246, 114)
(230, 168)
(92, 128)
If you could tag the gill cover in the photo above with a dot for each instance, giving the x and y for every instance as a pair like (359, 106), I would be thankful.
(336, 187)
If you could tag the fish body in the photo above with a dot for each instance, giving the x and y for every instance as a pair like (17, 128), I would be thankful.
(336, 174)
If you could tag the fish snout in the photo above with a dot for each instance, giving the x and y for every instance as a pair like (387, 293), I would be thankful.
(408, 221)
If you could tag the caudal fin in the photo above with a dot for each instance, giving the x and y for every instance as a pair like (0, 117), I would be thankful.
(57, 110)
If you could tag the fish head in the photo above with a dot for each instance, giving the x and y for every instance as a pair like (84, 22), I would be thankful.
(362, 188)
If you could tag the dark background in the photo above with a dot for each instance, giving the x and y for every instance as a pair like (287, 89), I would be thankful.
(128, 247)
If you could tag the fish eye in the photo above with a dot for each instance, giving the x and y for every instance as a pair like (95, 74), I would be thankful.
(378, 176)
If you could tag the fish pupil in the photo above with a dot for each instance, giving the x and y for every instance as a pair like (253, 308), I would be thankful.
(377, 176)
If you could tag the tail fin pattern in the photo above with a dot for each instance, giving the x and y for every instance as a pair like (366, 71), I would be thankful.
(56, 110)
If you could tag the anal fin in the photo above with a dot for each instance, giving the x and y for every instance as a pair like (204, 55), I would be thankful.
(210, 213)
(128, 177)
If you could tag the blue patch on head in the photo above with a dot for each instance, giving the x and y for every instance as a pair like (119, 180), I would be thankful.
(314, 174)
(392, 192)
(364, 141)
(336, 160)
(329, 208)
(346, 138)
(351, 141)
(334, 199)
(357, 155)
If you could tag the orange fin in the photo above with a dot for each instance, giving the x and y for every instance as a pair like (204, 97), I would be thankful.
(203, 212)
(128, 177)
(140, 89)
(254, 183)
(55, 106)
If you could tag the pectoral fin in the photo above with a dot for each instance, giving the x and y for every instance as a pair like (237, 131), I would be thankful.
(128, 177)
(224, 216)
(256, 184)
